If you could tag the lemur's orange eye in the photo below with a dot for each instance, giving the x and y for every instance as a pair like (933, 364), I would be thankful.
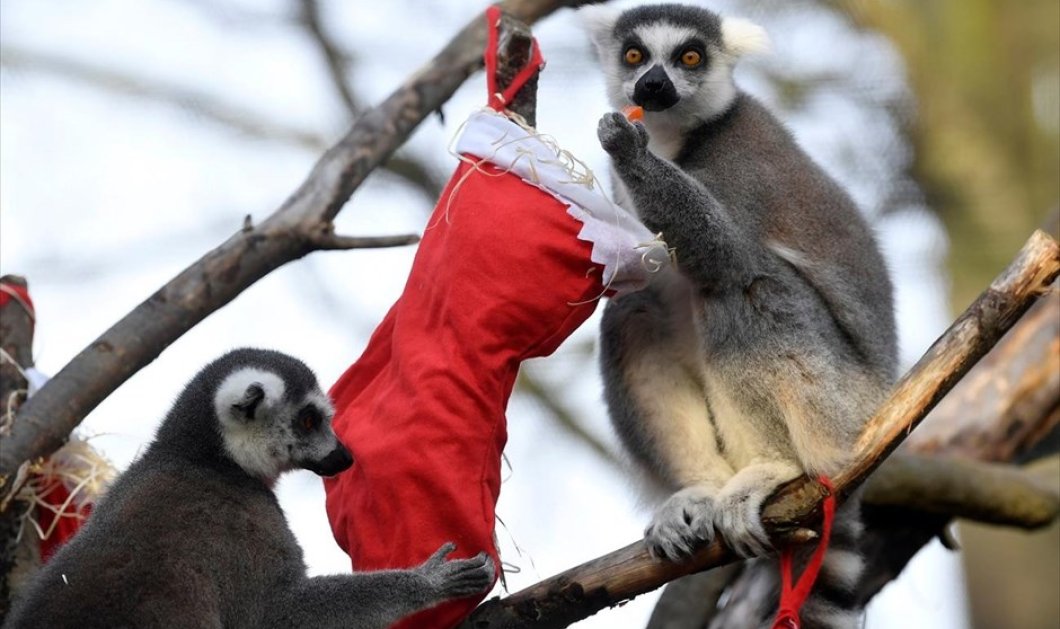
(634, 56)
(691, 58)
(309, 419)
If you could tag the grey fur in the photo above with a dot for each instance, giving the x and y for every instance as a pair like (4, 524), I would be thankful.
(187, 537)
(762, 357)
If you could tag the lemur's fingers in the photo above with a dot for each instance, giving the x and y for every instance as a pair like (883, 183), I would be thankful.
(620, 137)
(642, 133)
(681, 524)
(738, 520)
(440, 554)
(469, 576)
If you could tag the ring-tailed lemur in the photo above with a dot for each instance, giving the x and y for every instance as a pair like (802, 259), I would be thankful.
(192, 535)
(763, 355)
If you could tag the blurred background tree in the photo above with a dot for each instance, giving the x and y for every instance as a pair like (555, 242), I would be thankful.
(986, 136)
(986, 76)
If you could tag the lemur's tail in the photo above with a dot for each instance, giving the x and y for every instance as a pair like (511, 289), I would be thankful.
(752, 599)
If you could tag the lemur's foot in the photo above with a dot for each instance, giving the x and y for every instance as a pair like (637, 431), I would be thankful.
(621, 138)
(681, 524)
(738, 519)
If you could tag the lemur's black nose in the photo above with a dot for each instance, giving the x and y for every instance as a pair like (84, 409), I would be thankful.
(655, 80)
(655, 91)
(336, 461)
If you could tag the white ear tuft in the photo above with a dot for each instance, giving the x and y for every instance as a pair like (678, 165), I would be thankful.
(599, 22)
(743, 37)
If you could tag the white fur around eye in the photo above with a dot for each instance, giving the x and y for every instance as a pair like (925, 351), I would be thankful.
(662, 38)
(742, 37)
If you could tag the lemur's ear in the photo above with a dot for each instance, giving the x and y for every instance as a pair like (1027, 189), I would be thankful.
(599, 22)
(246, 407)
(742, 37)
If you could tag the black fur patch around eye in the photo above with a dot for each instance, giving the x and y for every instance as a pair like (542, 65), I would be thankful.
(308, 419)
(691, 45)
(631, 43)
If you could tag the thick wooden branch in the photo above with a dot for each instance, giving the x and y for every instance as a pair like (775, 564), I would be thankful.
(630, 571)
(999, 412)
(289, 233)
(996, 413)
(991, 493)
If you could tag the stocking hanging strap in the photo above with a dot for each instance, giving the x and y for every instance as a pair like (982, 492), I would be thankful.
(499, 100)
(792, 598)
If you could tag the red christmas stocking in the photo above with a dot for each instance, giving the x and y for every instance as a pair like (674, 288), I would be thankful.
(519, 249)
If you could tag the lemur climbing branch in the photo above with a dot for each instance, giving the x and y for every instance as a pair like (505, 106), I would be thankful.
(630, 571)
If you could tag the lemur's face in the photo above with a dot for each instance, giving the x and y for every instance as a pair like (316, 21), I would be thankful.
(275, 420)
(661, 64)
(670, 58)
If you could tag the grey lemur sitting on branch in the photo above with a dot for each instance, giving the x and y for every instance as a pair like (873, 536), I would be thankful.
(192, 534)
(762, 356)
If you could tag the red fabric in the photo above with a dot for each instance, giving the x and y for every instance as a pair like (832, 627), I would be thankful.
(791, 599)
(70, 520)
(496, 100)
(493, 283)
(14, 291)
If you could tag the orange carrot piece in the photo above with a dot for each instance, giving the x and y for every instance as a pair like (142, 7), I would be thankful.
(633, 113)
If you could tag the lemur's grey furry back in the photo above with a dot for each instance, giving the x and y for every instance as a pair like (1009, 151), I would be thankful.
(762, 356)
(191, 535)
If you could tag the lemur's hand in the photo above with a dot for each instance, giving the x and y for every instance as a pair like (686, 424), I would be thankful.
(623, 139)
(683, 523)
(457, 578)
(738, 518)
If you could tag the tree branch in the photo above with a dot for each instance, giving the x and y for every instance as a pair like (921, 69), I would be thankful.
(566, 418)
(996, 414)
(46, 420)
(991, 493)
(204, 105)
(630, 571)
(197, 103)
(336, 60)
(330, 241)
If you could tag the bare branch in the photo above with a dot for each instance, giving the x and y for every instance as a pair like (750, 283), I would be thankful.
(993, 415)
(335, 242)
(630, 571)
(336, 60)
(566, 418)
(46, 420)
(991, 493)
(193, 101)
(203, 105)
